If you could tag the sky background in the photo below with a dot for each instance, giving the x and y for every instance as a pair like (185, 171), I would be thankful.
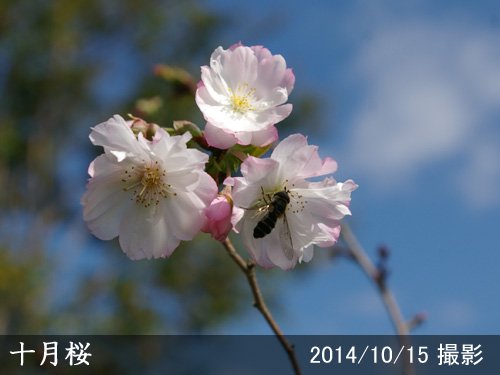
(410, 99)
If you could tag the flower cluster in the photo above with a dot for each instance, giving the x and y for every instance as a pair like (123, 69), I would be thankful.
(153, 190)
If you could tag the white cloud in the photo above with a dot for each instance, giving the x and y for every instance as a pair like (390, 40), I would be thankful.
(431, 95)
(454, 316)
(479, 179)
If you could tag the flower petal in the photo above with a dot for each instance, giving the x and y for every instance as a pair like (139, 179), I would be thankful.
(255, 169)
(300, 160)
(216, 137)
(240, 66)
(185, 215)
(255, 247)
(104, 201)
(141, 238)
(288, 146)
(288, 80)
(214, 90)
(264, 137)
(115, 135)
(307, 254)
(266, 116)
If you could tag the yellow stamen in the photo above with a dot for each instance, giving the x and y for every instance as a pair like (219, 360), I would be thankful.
(241, 99)
(147, 183)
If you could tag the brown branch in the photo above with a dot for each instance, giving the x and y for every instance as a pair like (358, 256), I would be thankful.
(248, 269)
(359, 255)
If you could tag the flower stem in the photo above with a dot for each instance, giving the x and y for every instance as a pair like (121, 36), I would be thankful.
(248, 269)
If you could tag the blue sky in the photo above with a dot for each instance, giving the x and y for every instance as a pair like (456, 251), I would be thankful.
(411, 108)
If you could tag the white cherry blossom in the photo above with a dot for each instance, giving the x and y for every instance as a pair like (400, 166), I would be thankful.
(150, 193)
(312, 215)
(242, 95)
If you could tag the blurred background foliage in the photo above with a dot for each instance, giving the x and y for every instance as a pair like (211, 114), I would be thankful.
(66, 65)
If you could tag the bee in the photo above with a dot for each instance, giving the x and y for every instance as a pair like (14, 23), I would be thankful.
(275, 209)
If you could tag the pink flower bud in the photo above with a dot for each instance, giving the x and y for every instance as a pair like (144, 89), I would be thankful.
(148, 130)
(218, 214)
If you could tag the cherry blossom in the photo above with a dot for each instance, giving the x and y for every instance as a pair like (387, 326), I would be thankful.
(242, 95)
(150, 193)
(281, 215)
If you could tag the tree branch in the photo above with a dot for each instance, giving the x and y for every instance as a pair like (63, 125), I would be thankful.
(248, 269)
(372, 272)
(359, 255)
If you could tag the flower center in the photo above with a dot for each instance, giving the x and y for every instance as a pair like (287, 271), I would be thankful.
(147, 184)
(297, 202)
(241, 99)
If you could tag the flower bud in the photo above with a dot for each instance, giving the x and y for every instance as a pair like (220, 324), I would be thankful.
(147, 129)
(218, 215)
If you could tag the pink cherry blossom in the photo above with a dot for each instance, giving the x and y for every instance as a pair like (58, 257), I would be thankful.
(218, 214)
(242, 95)
(151, 194)
(312, 215)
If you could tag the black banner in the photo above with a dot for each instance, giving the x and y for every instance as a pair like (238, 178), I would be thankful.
(250, 354)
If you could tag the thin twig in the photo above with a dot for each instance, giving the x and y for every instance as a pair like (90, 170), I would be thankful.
(371, 271)
(248, 269)
(390, 303)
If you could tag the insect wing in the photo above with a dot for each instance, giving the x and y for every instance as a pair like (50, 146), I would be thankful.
(286, 239)
(258, 211)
